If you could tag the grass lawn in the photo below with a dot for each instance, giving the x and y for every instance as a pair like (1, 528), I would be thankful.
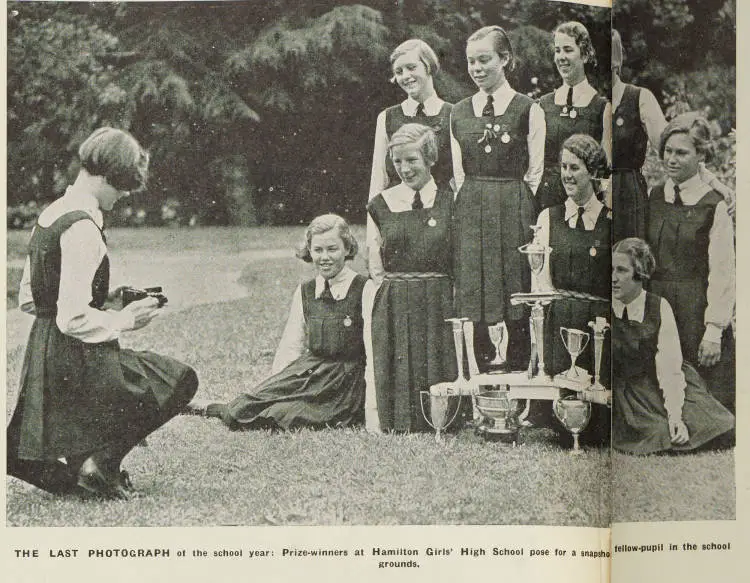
(229, 291)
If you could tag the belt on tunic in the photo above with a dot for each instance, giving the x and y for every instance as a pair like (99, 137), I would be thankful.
(494, 178)
(414, 275)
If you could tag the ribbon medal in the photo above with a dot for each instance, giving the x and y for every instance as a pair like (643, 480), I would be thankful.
(347, 321)
(505, 138)
(573, 114)
(620, 122)
(564, 112)
(432, 222)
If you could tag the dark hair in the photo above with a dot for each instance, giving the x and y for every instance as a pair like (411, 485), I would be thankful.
(323, 224)
(578, 32)
(696, 127)
(500, 42)
(641, 258)
(426, 55)
(419, 135)
(590, 152)
(117, 156)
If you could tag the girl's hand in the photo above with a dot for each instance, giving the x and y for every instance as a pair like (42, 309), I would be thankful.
(143, 311)
(114, 299)
(709, 353)
(678, 431)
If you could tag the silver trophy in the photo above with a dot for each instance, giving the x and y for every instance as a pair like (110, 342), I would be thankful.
(599, 326)
(441, 394)
(498, 333)
(500, 415)
(574, 414)
(575, 341)
(537, 255)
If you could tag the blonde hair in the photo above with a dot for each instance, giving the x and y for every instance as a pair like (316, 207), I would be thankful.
(323, 224)
(419, 135)
(117, 156)
(641, 258)
(696, 127)
(426, 55)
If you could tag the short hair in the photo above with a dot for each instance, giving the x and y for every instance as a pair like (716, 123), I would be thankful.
(641, 258)
(694, 125)
(117, 156)
(500, 42)
(323, 224)
(426, 55)
(618, 55)
(419, 135)
(590, 152)
(580, 34)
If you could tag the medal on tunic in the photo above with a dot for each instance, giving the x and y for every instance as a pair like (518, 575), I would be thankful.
(505, 138)
(347, 321)
(432, 222)
(620, 122)
(564, 112)
(592, 252)
(496, 128)
(573, 114)
(488, 148)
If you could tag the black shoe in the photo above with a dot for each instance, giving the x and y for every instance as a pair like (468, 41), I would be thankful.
(96, 483)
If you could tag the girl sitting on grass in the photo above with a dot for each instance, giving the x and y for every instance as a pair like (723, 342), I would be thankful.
(319, 370)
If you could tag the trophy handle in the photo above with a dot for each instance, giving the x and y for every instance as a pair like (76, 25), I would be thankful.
(429, 422)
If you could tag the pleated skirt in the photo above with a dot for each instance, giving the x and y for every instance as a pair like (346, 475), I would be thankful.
(639, 419)
(412, 345)
(311, 392)
(76, 398)
(629, 204)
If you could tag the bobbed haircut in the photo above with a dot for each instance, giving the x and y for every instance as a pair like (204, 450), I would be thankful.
(500, 42)
(641, 258)
(590, 152)
(117, 156)
(323, 224)
(421, 136)
(695, 126)
(580, 34)
(426, 55)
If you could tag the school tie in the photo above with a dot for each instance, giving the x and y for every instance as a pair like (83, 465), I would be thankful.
(420, 110)
(625, 314)
(569, 101)
(417, 202)
(326, 293)
(489, 109)
(579, 223)
(677, 197)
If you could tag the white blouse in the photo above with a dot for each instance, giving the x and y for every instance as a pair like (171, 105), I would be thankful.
(583, 93)
(535, 138)
(652, 117)
(668, 354)
(293, 340)
(720, 294)
(379, 176)
(399, 199)
(82, 250)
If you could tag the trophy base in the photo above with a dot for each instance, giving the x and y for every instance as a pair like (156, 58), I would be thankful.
(577, 382)
(498, 434)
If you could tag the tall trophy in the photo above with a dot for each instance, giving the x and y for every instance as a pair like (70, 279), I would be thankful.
(574, 414)
(537, 255)
(441, 394)
(599, 326)
(575, 341)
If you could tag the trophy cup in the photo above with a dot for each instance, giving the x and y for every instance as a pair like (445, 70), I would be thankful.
(441, 393)
(498, 333)
(537, 255)
(599, 326)
(500, 415)
(575, 342)
(574, 414)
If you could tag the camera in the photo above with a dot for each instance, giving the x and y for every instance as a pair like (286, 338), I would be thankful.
(132, 294)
